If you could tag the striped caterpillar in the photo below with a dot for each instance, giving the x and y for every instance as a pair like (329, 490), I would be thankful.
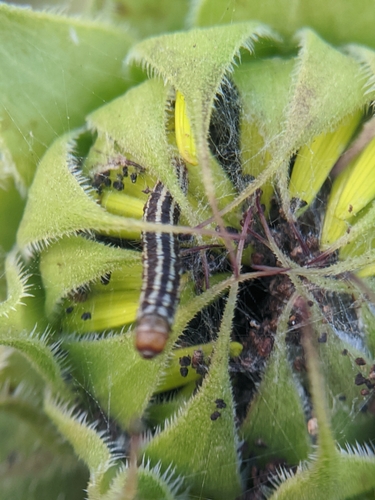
(161, 270)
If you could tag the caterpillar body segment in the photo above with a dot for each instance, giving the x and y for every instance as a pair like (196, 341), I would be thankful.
(161, 271)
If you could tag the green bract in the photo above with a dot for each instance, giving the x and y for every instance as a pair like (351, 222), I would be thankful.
(266, 385)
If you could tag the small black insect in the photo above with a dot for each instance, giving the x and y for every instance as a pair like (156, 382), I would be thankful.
(215, 415)
(184, 371)
(133, 177)
(101, 180)
(185, 361)
(118, 185)
(105, 279)
(220, 403)
(85, 316)
(323, 338)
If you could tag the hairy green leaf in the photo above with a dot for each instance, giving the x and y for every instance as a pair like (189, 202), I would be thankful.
(54, 71)
(72, 262)
(87, 443)
(145, 17)
(337, 21)
(275, 425)
(56, 190)
(201, 441)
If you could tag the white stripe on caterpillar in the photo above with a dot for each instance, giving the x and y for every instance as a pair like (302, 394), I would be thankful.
(161, 270)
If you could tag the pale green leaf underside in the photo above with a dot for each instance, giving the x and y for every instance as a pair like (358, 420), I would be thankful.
(337, 21)
(54, 71)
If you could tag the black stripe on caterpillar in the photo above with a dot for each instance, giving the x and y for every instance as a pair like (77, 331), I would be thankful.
(161, 270)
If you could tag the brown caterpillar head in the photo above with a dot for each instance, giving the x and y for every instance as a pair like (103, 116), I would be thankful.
(151, 335)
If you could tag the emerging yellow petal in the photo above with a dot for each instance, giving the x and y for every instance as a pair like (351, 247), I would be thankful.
(101, 312)
(184, 137)
(122, 204)
(333, 227)
(255, 157)
(314, 161)
(359, 189)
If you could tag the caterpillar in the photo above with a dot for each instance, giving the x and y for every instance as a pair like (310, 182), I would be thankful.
(161, 270)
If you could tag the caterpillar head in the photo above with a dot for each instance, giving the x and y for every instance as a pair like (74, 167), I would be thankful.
(151, 335)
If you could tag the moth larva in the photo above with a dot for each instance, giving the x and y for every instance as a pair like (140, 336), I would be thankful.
(161, 271)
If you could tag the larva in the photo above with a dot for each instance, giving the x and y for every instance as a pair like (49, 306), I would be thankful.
(161, 271)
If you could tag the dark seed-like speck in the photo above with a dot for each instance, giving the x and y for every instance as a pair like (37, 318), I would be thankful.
(215, 415)
(220, 403)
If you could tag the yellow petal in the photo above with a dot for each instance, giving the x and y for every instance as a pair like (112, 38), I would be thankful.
(184, 137)
(359, 189)
(334, 228)
(315, 161)
(255, 157)
(101, 312)
(122, 204)
(122, 278)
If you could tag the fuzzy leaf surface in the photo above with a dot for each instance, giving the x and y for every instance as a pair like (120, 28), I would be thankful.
(121, 373)
(73, 262)
(33, 470)
(54, 191)
(197, 444)
(172, 57)
(337, 21)
(54, 71)
(144, 17)
(275, 417)
(87, 443)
